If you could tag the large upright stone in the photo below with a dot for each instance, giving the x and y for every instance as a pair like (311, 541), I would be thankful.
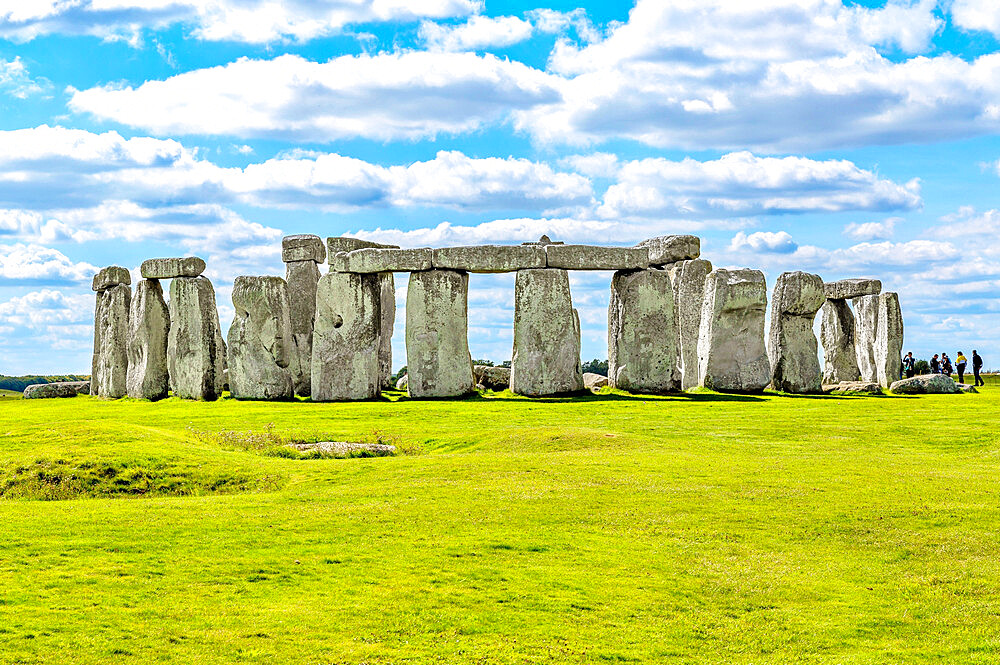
(865, 335)
(889, 343)
(731, 352)
(196, 354)
(109, 370)
(260, 340)
(301, 278)
(437, 334)
(793, 351)
(387, 318)
(688, 278)
(148, 329)
(546, 359)
(642, 339)
(836, 332)
(346, 337)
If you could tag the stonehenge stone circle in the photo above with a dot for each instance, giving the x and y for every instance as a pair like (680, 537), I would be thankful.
(688, 279)
(846, 289)
(731, 352)
(546, 357)
(793, 350)
(665, 250)
(438, 362)
(642, 337)
(865, 335)
(489, 258)
(346, 337)
(109, 369)
(592, 257)
(148, 330)
(889, 342)
(196, 353)
(303, 247)
(302, 278)
(261, 347)
(840, 360)
(191, 266)
(111, 276)
(387, 316)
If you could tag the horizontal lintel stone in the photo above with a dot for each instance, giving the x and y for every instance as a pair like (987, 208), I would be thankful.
(373, 259)
(303, 247)
(664, 250)
(335, 246)
(190, 266)
(593, 257)
(111, 276)
(846, 289)
(490, 258)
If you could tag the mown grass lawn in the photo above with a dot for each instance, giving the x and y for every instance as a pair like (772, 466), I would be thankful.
(689, 529)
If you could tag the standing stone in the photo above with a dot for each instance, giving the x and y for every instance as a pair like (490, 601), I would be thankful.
(546, 358)
(109, 371)
(301, 278)
(889, 343)
(387, 298)
(437, 334)
(688, 278)
(865, 334)
(196, 354)
(642, 338)
(836, 332)
(731, 352)
(346, 337)
(793, 351)
(260, 340)
(149, 327)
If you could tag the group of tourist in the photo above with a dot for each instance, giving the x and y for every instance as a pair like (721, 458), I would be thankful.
(941, 364)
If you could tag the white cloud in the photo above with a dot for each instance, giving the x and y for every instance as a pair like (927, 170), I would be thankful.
(872, 230)
(15, 81)
(976, 15)
(779, 242)
(477, 33)
(744, 184)
(30, 263)
(260, 21)
(48, 307)
(407, 95)
(967, 223)
(596, 164)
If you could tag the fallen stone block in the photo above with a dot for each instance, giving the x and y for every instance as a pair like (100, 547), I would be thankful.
(855, 388)
(303, 247)
(148, 332)
(190, 266)
(438, 363)
(925, 384)
(371, 259)
(56, 389)
(593, 257)
(491, 378)
(593, 381)
(664, 250)
(402, 382)
(489, 258)
(345, 362)
(111, 276)
(847, 289)
(642, 337)
(793, 351)
(260, 340)
(731, 352)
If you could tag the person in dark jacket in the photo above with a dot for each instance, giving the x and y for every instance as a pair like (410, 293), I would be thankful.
(909, 364)
(977, 366)
(946, 367)
(935, 365)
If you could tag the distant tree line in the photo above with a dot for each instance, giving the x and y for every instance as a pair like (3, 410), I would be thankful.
(19, 383)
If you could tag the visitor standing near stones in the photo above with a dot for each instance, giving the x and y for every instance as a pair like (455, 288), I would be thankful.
(909, 365)
(977, 367)
(935, 364)
(109, 368)
(946, 367)
(960, 362)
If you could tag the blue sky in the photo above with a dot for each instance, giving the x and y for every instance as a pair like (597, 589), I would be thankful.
(856, 139)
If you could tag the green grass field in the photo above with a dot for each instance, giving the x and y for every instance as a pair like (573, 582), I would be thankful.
(690, 529)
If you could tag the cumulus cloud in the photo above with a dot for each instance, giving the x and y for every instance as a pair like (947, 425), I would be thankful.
(477, 33)
(259, 21)
(35, 264)
(976, 15)
(407, 95)
(967, 222)
(744, 184)
(872, 230)
(779, 242)
(15, 80)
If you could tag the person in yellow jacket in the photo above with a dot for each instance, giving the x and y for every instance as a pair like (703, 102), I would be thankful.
(960, 362)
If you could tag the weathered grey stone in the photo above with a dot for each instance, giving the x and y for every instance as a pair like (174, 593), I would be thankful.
(546, 358)
(303, 247)
(593, 381)
(56, 389)
(438, 363)
(847, 289)
(793, 350)
(261, 349)
(642, 334)
(148, 330)
(731, 352)
(490, 258)
(402, 382)
(335, 246)
(966, 388)
(664, 250)
(593, 257)
(855, 388)
(836, 332)
(925, 384)
(190, 266)
(889, 342)
(111, 276)
(196, 353)
(301, 278)
(387, 316)
(688, 278)
(346, 338)
(371, 259)
(491, 378)
(543, 241)
(865, 336)
(109, 370)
